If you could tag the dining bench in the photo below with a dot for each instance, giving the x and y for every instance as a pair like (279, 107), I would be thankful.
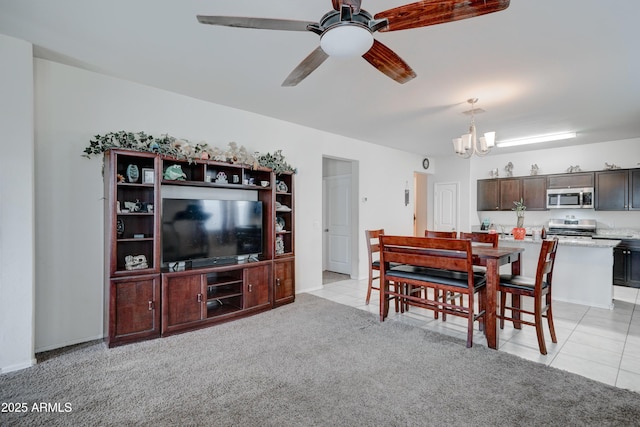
(443, 265)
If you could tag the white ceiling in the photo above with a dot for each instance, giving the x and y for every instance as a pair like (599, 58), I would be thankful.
(540, 66)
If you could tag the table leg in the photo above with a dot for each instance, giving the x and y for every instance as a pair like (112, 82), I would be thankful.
(490, 324)
(384, 302)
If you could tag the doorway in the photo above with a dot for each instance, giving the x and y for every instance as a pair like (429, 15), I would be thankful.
(421, 192)
(339, 216)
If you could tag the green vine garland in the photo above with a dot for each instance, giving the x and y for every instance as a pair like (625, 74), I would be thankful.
(185, 150)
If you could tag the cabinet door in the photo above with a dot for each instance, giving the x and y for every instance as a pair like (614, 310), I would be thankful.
(509, 193)
(256, 286)
(612, 190)
(134, 311)
(570, 180)
(619, 266)
(634, 189)
(182, 300)
(284, 281)
(633, 268)
(488, 191)
(534, 193)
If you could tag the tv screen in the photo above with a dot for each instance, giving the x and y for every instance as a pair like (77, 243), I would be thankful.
(195, 229)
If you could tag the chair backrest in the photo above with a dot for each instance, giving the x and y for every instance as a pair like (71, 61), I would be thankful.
(484, 238)
(546, 262)
(441, 234)
(373, 242)
(444, 253)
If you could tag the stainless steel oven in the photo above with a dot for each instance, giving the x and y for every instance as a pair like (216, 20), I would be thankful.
(570, 198)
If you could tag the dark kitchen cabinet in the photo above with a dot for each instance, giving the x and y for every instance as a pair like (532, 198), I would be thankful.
(534, 193)
(634, 189)
(618, 190)
(488, 191)
(510, 191)
(499, 194)
(570, 180)
(626, 264)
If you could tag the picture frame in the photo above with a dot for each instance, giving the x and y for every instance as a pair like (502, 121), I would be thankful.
(148, 175)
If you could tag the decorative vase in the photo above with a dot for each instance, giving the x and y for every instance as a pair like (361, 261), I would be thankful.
(519, 233)
(133, 173)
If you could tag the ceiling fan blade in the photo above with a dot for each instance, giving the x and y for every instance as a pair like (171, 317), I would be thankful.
(355, 4)
(432, 12)
(257, 23)
(306, 67)
(389, 63)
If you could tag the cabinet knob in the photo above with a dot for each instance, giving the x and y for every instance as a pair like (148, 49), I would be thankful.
(150, 305)
(250, 287)
(278, 281)
(199, 297)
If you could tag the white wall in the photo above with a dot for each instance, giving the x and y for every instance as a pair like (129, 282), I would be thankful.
(591, 157)
(16, 206)
(72, 105)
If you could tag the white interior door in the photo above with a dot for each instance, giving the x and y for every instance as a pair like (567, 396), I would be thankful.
(445, 215)
(338, 224)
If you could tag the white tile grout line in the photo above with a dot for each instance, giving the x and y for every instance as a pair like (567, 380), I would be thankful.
(626, 338)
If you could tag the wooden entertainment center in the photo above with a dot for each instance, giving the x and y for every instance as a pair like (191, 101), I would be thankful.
(146, 301)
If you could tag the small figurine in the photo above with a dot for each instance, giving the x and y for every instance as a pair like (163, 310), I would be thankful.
(174, 173)
(509, 169)
(493, 173)
(611, 166)
(135, 262)
(572, 169)
(534, 169)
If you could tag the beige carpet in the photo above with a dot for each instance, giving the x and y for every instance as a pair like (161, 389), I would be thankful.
(310, 363)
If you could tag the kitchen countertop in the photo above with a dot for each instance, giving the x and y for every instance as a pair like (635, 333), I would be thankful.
(569, 241)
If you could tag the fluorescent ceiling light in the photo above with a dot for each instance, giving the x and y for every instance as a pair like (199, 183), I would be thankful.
(536, 139)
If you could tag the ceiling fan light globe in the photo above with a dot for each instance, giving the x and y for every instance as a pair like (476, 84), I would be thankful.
(346, 41)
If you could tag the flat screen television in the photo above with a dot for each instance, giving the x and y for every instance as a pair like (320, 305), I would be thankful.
(210, 231)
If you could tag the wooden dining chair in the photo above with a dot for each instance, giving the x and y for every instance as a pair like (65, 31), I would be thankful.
(489, 239)
(538, 287)
(373, 249)
(481, 238)
(441, 234)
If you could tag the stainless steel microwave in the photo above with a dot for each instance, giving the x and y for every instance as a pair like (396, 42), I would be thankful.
(570, 198)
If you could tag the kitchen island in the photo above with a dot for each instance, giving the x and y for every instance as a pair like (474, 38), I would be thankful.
(583, 272)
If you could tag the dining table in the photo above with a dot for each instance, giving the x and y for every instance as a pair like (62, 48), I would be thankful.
(493, 259)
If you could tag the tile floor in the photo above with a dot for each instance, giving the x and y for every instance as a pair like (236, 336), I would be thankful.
(600, 344)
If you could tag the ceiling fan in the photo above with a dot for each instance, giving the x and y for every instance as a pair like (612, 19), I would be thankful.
(347, 30)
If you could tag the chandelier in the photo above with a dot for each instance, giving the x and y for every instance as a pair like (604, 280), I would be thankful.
(468, 144)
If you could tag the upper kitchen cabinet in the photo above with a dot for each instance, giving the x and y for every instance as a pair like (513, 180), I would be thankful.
(617, 190)
(534, 193)
(570, 180)
(499, 194)
(488, 195)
